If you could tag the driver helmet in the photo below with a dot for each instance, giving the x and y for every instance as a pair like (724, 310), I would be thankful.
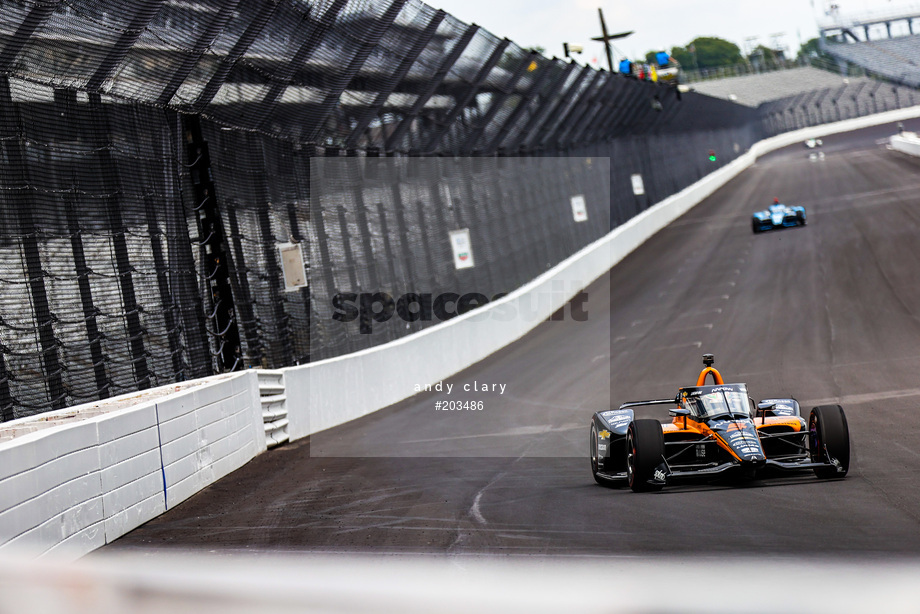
(775, 201)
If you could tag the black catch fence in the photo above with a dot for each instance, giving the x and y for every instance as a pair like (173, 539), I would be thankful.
(159, 160)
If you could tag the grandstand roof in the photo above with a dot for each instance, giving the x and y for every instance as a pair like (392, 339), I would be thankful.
(752, 90)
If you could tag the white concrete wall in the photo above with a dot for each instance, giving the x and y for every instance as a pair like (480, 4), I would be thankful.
(331, 392)
(72, 488)
(207, 434)
(907, 143)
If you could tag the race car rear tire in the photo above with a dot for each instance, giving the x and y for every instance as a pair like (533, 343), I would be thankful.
(595, 457)
(644, 452)
(755, 228)
(829, 440)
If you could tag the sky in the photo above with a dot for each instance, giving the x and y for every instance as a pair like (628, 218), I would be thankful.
(657, 25)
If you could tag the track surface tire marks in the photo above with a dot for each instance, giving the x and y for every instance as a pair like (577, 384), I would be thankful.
(826, 312)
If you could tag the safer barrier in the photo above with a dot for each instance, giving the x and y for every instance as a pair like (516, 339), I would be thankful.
(907, 143)
(71, 488)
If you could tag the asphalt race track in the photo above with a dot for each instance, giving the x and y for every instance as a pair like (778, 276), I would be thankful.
(826, 313)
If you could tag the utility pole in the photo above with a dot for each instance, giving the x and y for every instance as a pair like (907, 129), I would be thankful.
(606, 38)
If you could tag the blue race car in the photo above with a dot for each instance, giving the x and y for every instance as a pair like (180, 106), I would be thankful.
(778, 216)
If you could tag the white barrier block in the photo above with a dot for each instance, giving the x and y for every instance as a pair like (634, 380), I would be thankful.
(66, 453)
(130, 471)
(173, 407)
(128, 458)
(122, 423)
(79, 543)
(71, 488)
(205, 439)
(180, 448)
(35, 449)
(209, 395)
(54, 515)
(129, 518)
(178, 427)
(133, 500)
(28, 485)
(297, 390)
(906, 143)
(180, 490)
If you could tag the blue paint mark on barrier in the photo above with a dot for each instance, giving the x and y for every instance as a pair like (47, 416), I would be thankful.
(156, 409)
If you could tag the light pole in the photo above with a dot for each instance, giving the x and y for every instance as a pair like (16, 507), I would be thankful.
(569, 49)
(606, 38)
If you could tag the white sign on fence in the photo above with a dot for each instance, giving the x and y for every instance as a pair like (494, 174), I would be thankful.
(579, 208)
(463, 248)
(295, 275)
(638, 186)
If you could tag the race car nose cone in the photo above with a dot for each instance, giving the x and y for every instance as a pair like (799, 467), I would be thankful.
(750, 467)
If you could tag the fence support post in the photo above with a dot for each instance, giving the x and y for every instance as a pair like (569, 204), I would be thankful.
(215, 258)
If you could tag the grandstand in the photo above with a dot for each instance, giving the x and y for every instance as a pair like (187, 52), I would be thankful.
(897, 59)
(800, 97)
(855, 98)
(752, 90)
(881, 41)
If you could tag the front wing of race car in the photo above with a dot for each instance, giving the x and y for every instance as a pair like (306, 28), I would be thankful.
(671, 475)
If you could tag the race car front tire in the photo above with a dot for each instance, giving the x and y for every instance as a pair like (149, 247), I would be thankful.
(644, 452)
(829, 441)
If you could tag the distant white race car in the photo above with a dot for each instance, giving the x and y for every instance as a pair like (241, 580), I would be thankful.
(812, 143)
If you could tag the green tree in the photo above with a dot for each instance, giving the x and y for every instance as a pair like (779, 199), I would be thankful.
(708, 52)
(810, 50)
(764, 57)
(683, 56)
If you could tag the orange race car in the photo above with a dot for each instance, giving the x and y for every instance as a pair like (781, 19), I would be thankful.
(716, 429)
